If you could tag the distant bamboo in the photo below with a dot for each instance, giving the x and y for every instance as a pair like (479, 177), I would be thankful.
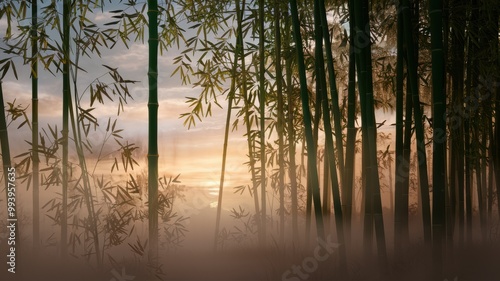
(262, 113)
(248, 103)
(232, 90)
(153, 131)
(311, 147)
(281, 121)
(439, 139)
(34, 125)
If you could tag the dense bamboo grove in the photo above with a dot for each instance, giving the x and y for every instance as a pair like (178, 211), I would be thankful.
(370, 138)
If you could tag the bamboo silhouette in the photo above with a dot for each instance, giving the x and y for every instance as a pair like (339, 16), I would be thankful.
(330, 150)
(34, 125)
(311, 146)
(5, 147)
(281, 121)
(262, 113)
(399, 210)
(250, 140)
(412, 54)
(153, 131)
(439, 139)
(65, 128)
(291, 134)
(232, 92)
(372, 192)
(347, 191)
(332, 81)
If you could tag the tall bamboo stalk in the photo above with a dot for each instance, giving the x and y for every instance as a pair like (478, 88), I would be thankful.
(334, 94)
(281, 121)
(34, 125)
(65, 129)
(231, 94)
(153, 130)
(457, 12)
(291, 135)
(398, 189)
(347, 198)
(422, 159)
(329, 150)
(5, 147)
(311, 147)
(250, 145)
(362, 28)
(439, 139)
(262, 112)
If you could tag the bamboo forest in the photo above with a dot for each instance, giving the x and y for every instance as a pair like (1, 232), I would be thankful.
(259, 140)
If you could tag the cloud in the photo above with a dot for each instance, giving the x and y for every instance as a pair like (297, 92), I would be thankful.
(102, 17)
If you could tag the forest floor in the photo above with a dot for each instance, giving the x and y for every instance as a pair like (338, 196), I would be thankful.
(475, 263)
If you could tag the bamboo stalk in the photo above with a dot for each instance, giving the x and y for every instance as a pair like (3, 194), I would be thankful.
(281, 122)
(311, 146)
(439, 139)
(232, 89)
(291, 136)
(262, 112)
(361, 10)
(65, 129)
(329, 150)
(34, 121)
(153, 131)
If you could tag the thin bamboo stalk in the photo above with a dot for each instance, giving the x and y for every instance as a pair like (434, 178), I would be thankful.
(291, 136)
(34, 125)
(65, 129)
(153, 131)
(439, 139)
(281, 121)
(262, 112)
(232, 90)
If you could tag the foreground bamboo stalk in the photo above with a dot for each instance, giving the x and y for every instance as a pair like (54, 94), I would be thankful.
(311, 146)
(439, 139)
(65, 128)
(153, 131)
(34, 125)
